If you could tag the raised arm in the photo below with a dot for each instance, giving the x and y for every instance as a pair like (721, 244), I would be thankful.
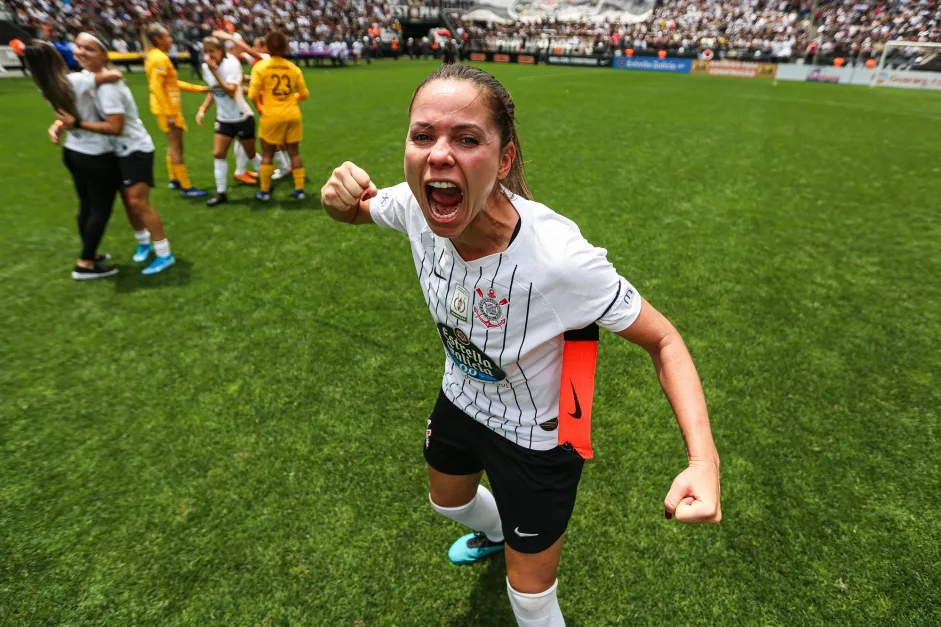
(694, 496)
(239, 46)
(347, 193)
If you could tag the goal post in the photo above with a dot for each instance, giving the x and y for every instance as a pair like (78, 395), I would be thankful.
(908, 56)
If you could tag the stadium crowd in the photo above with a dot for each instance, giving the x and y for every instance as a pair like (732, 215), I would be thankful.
(781, 30)
(765, 29)
(122, 21)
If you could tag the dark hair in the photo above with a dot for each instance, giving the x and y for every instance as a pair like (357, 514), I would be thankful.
(51, 75)
(502, 108)
(277, 43)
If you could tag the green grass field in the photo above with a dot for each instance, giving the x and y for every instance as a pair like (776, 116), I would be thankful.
(238, 441)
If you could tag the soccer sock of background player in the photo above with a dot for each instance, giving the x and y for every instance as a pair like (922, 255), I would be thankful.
(480, 514)
(181, 175)
(242, 160)
(265, 171)
(536, 610)
(220, 169)
(284, 160)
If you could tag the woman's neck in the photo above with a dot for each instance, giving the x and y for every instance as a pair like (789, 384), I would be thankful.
(490, 232)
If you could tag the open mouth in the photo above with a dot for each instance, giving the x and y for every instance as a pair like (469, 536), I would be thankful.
(444, 200)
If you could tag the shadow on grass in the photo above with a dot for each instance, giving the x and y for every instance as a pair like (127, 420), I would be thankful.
(286, 203)
(129, 278)
(489, 604)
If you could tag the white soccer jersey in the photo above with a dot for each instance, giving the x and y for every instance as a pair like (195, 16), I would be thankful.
(501, 318)
(86, 142)
(228, 109)
(117, 98)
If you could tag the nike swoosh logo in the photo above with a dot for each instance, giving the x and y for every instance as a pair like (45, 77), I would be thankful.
(439, 276)
(524, 535)
(578, 407)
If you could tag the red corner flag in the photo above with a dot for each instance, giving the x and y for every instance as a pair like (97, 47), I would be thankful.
(579, 358)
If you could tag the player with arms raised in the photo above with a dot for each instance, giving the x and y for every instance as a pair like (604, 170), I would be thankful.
(276, 88)
(517, 295)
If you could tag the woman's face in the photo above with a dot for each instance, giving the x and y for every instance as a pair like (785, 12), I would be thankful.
(89, 54)
(217, 54)
(453, 157)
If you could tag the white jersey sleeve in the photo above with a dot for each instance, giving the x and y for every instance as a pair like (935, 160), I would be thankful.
(391, 207)
(583, 287)
(82, 82)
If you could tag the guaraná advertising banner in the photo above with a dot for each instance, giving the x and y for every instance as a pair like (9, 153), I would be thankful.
(742, 69)
(579, 61)
(908, 79)
(651, 64)
(503, 57)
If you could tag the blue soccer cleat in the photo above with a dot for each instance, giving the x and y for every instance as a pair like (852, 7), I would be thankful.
(472, 547)
(192, 192)
(159, 265)
(174, 185)
(263, 196)
(142, 253)
(298, 194)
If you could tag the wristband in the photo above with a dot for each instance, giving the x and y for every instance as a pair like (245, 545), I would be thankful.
(78, 122)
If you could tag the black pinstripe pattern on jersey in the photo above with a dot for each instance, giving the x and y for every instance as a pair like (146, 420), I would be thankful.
(434, 270)
(470, 336)
(529, 297)
(506, 332)
(487, 336)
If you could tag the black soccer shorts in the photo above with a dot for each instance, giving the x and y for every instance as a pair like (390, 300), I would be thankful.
(535, 490)
(244, 129)
(137, 167)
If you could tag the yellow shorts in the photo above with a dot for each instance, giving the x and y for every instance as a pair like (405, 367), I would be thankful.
(178, 121)
(280, 131)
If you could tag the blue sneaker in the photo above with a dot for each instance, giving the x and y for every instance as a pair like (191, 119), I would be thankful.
(174, 185)
(472, 547)
(192, 192)
(143, 252)
(159, 265)
(298, 194)
(263, 196)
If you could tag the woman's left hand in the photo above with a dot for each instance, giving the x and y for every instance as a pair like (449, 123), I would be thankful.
(55, 132)
(694, 496)
(68, 120)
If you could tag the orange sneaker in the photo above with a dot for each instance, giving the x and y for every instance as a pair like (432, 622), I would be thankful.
(246, 179)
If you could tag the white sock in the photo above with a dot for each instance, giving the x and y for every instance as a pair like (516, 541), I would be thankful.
(220, 168)
(284, 160)
(536, 610)
(241, 159)
(162, 248)
(143, 237)
(480, 514)
(257, 162)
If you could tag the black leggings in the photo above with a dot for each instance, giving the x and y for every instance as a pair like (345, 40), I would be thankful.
(97, 179)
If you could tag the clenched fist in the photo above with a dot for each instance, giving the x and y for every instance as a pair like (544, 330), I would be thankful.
(347, 192)
(694, 495)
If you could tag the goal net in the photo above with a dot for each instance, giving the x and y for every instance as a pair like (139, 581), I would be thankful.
(914, 64)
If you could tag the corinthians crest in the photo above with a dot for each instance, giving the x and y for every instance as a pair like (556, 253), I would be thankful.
(489, 310)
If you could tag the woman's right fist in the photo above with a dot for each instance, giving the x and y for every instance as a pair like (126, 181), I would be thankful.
(346, 189)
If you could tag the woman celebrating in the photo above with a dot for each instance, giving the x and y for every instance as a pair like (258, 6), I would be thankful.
(516, 292)
(165, 105)
(234, 118)
(89, 157)
(134, 149)
(279, 84)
